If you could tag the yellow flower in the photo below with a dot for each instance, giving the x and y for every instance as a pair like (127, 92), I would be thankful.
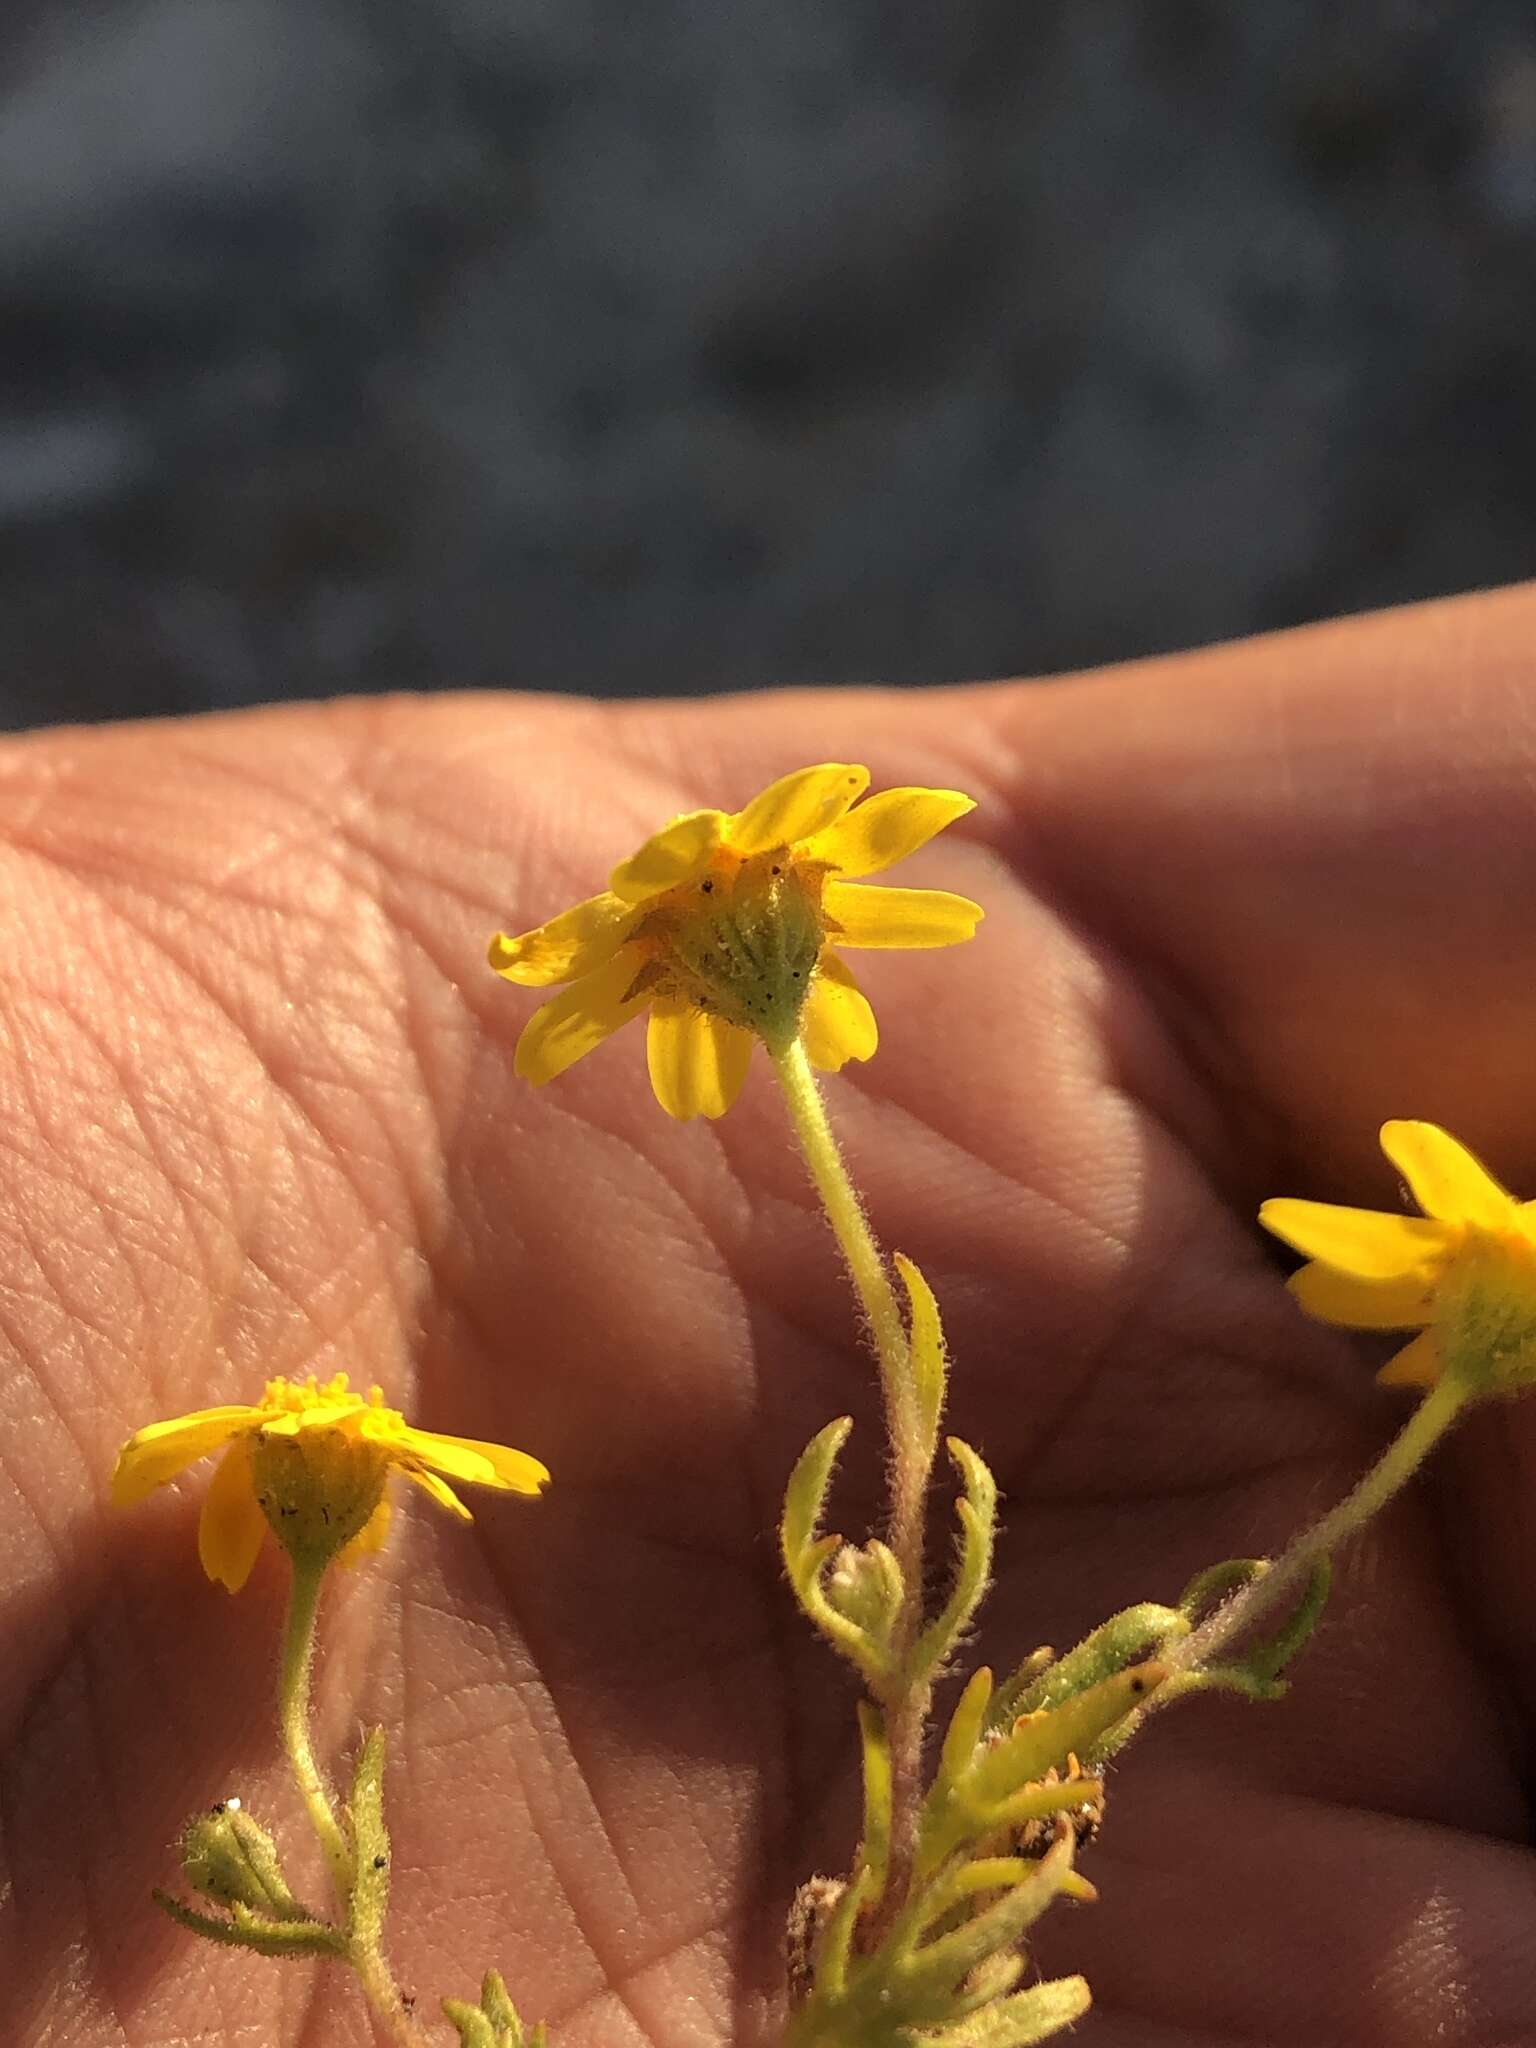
(1463, 1274)
(311, 1461)
(722, 927)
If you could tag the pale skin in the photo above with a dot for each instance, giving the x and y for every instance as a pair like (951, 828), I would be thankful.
(260, 1117)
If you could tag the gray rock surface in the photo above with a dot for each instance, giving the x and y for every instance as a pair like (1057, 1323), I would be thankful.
(630, 345)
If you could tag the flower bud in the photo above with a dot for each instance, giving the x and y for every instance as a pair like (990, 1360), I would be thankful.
(865, 1586)
(230, 1858)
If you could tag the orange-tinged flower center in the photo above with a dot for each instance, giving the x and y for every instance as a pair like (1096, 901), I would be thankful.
(742, 941)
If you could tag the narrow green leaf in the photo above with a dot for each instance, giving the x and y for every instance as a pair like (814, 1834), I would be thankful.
(1019, 2021)
(930, 1360)
(1126, 1638)
(1015, 1687)
(1255, 1672)
(989, 1981)
(1207, 1589)
(929, 1977)
(370, 1843)
(493, 2023)
(1269, 1658)
(986, 1874)
(499, 2009)
(806, 1553)
(245, 1929)
(976, 1512)
(1045, 1741)
(1039, 1802)
(875, 1850)
(806, 1494)
(475, 2029)
(947, 1818)
(965, 1726)
(836, 1943)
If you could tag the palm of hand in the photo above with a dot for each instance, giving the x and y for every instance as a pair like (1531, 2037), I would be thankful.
(262, 1119)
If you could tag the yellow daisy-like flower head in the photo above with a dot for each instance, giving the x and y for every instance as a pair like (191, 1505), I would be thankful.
(726, 928)
(1463, 1274)
(309, 1461)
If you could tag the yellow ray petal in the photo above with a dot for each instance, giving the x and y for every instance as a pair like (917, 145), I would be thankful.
(436, 1489)
(698, 1062)
(567, 1028)
(886, 828)
(837, 1023)
(868, 915)
(1365, 1242)
(158, 1452)
(369, 1540)
(796, 806)
(1446, 1179)
(678, 853)
(232, 1525)
(475, 1462)
(1362, 1304)
(571, 944)
(1418, 1364)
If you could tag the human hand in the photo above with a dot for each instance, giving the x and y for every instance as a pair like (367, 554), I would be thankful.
(262, 1119)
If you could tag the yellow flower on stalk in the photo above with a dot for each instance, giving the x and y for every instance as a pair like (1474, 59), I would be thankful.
(1463, 1274)
(726, 928)
(309, 1461)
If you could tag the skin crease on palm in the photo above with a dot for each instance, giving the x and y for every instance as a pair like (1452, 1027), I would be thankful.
(259, 1117)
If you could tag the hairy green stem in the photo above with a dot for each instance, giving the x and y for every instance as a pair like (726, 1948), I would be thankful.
(911, 1458)
(382, 1993)
(1396, 1466)
(364, 1954)
(293, 1700)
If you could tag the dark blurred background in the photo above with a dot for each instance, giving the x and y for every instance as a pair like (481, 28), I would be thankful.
(627, 345)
